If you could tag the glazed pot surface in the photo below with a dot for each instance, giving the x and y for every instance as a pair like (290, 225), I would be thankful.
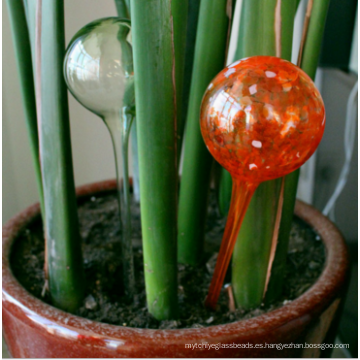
(35, 329)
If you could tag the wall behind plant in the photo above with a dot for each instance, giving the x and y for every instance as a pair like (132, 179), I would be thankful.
(92, 153)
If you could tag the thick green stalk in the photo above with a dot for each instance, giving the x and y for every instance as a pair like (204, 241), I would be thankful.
(25, 68)
(256, 33)
(258, 37)
(123, 9)
(31, 19)
(155, 93)
(208, 61)
(225, 191)
(179, 16)
(312, 47)
(252, 249)
(276, 281)
(191, 29)
(310, 59)
(288, 12)
(25, 3)
(65, 272)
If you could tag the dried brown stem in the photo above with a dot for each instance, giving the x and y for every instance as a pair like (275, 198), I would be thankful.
(229, 291)
(275, 236)
(229, 13)
(305, 31)
(277, 25)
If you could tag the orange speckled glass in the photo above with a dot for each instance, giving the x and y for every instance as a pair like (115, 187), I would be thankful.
(261, 118)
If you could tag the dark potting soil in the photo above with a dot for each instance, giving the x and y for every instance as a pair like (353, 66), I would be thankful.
(104, 300)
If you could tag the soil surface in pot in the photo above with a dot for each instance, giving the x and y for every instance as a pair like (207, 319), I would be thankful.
(104, 300)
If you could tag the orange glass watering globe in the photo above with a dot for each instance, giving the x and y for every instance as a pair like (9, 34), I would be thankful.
(261, 118)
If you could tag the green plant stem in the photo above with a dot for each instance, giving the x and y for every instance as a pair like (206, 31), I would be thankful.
(288, 12)
(256, 33)
(225, 191)
(192, 23)
(155, 93)
(66, 278)
(25, 69)
(310, 59)
(179, 16)
(123, 8)
(311, 52)
(252, 249)
(276, 281)
(257, 37)
(208, 61)
(31, 19)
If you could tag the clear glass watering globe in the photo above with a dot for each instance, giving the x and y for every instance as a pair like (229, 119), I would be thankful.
(98, 70)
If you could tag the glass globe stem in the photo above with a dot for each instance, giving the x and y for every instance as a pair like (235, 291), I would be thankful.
(135, 162)
(119, 128)
(242, 193)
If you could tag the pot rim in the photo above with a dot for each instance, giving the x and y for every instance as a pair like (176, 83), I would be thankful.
(40, 313)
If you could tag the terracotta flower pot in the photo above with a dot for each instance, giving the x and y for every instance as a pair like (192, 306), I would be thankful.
(35, 329)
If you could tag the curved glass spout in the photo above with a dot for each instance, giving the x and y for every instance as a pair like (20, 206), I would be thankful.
(135, 162)
(241, 195)
(119, 128)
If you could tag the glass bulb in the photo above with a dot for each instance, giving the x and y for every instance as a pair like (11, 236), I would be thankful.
(262, 117)
(98, 63)
(98, 70)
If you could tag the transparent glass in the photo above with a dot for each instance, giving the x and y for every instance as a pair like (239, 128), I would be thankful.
(261, 118)
(98, 70)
